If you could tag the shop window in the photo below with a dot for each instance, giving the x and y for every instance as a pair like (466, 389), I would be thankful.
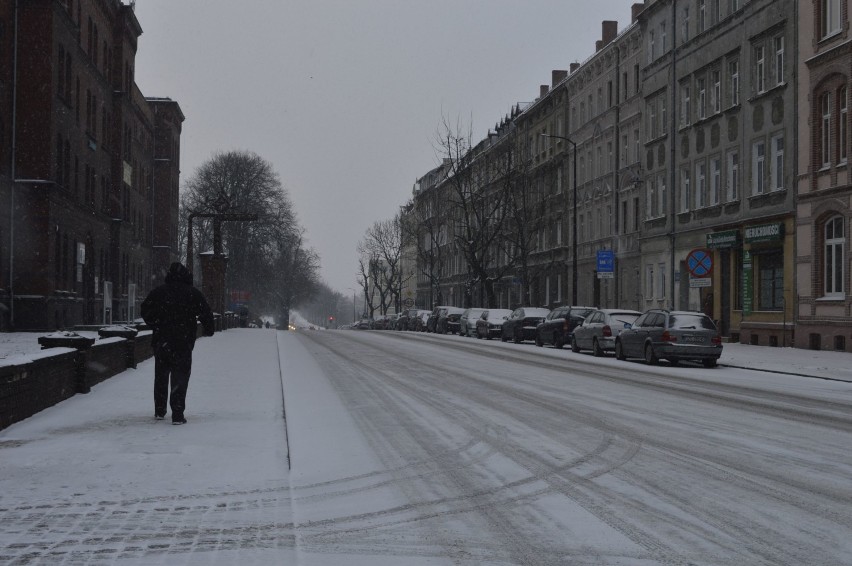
(840, 343)
(770, 273)
(738, 280)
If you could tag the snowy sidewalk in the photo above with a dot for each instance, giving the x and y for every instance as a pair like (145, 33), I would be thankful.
(96, 475)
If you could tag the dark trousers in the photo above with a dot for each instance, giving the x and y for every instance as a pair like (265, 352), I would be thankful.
(177, 365)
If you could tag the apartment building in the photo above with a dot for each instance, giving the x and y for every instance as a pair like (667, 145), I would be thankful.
(718, 235)
(89, 170)
(824, 207)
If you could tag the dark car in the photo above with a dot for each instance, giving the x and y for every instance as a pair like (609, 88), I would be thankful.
(405, 318)
(449, 320)
(432, 321)
(671, 335)
(522, 324)
(558, 326)
(600, 329)
(490, 323)
(417, 322)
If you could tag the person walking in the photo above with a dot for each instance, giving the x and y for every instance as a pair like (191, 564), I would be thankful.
(172, 311)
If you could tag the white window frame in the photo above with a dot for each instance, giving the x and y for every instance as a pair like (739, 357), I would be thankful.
(834, 257)
(779, 59)
(758, 167)
(661, 281)
(661, 193)
(760, 68)
(778, 162)
(825, 134)
(685, 109)
(662, 38)
(715, 180)
(701, 87)
(685, 25)
(830, 17)
(733, 177)
(651, 200)
(702, 15)
(651, 46)
(716, 95)
(649, 281)
(700, 184)
(684, 189)
(734, 81)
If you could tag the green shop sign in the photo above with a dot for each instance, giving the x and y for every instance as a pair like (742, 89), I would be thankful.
(727, 239)
(764, 233)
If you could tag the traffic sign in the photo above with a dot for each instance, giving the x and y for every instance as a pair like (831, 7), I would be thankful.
(699, 263)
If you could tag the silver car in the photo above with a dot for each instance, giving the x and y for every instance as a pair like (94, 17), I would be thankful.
(467, 322)
(599, 330)
(671, 335)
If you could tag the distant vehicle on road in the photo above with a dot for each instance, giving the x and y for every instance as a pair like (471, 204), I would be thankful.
(448, 320)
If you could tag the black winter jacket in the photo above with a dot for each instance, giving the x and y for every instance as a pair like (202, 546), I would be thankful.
(171, 310)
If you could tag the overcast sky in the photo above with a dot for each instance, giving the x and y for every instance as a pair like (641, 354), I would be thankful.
(345, 97)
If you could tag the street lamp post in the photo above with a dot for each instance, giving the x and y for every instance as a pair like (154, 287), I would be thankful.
(574, 245)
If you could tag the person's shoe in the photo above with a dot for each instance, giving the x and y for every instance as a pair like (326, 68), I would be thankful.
(159, 417)
(178, 420)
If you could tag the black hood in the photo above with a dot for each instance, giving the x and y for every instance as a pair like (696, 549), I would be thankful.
(178, 273)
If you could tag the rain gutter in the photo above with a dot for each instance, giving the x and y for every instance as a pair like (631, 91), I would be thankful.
(12, 172)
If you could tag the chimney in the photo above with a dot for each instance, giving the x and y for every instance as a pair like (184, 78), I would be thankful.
(635, 10)
(543, 90)
(557, 77)
(574, 67)
(609, 29)
(598, 45)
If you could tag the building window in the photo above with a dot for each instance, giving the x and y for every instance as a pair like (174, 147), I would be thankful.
(662, 38)
(716, 95)
(700, 185)
(778, 163)
(760, 69)
(685, 26)
(825, 138)
(830, 17)
(715, 181)
(684, 190)
(843, 125)
(835, 244)
(779, 60)
(758, 164)
(649, 281)
(651, 53)
(702, 98)
(661, 194)
(702, 15)
(684, 105)
(650, 205)
(734, 82)
(661, 281)
(770, 281)
(734, 5)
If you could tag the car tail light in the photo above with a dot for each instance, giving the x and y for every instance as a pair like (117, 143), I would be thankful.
(565, 325)
(667, 337)
(607, 331)
(717, 340)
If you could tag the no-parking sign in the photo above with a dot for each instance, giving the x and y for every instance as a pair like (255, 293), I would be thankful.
(699, 263)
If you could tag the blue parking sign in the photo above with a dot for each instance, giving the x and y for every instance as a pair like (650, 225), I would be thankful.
(606, 261)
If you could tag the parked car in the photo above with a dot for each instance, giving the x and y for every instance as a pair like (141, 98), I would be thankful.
(522, 324)
(600, 328)
(490, 323)
(405, 318)
(432, 321)
(448, 321)
(363, 324)
(417, 323)
(467, 322)
(671, 335)
(557, 327)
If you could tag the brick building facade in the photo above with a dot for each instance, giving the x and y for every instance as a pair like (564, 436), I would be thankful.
(88, 166)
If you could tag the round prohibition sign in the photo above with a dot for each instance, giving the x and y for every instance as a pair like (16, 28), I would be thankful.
(699, 262)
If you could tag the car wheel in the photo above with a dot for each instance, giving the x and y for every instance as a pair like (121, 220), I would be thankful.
(650, 357)
(674, 362)
(709, 363)
(518, 338)
(596, 348)
(619, 351)
(478, 335)
(557, 341)
(574, 346)
(538, 341)
(503, 338)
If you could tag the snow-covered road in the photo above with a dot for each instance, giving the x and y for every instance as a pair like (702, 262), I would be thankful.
(421, 449)
(510, 454)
